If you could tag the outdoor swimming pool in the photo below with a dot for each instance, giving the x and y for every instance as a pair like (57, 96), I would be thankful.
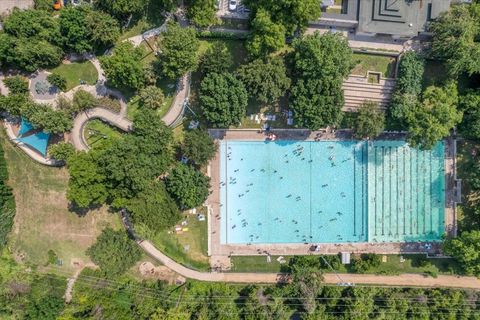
(330, 191)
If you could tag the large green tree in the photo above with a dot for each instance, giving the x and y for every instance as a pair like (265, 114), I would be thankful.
(223, 99)
(123, 67)
(114, 252)
(44, 117)
(320, 63)
(84, 29)
(202, 12)
(178, 51)
(370, 121)
(37, 24)
(188, 186)
(469, 104)
(217, 59)
(61, 151)
(265, 80)
(433, 118)
(266, 36)
(123, 10)
(292, 14)
(153, 209)
(30, 54)
(86, 186)
(151, 97)
(16, 85)
(466, 249)
(456, 38)
(45, 299)
(198, 146)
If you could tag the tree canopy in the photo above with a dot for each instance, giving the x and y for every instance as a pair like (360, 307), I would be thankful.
(178, 51)
(16, 85)
(44, 117)
(86, 186)
(122, 9)
(202, 13)
(114, 252)
(292, 14)
(265, 80)
(217, 59)
(266, 36)
(456, 35)
(61, 151)
(370, 121)
(188, 186)
(83, 100)
(153, 209)
(223, 99)
(122, 68)
(151, 97)
(320, 63)
(469, 104)
(198, 146)
(466, 249)
(433, 118)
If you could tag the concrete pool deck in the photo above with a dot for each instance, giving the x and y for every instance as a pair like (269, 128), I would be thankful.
(220, 253)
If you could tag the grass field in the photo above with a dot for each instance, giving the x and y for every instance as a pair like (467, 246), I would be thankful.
(369, 62)
(43, 220)
(98, 133)
(412, 264)
(76, 71)
(188, 248)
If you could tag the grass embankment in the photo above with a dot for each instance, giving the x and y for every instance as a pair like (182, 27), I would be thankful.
(412, 264)
(99, 134)
(76, 72)
(188, 248)
(370, 62)
(43, 220)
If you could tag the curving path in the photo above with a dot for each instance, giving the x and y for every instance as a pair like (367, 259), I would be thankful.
(403, 280)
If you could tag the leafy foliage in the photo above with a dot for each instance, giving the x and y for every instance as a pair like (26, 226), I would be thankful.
(292, 14)
(121, 9)
(223, 99)
(466, 249)
(266, 81)
(43, 5)
(202, 12)
(198, 146)
(83, 100)
(114, 252)
(153, 208)
(36, 24)
(46, 298)
(61, 151)
(266, 36)
(456, 38)
(151, 97)
(178, 47)
(13, 103)
(57, 80)
(188, 186)
(16, 85)
(73, 29)
(122, 68)
(86, 186)
(370, 121)
(44, 117)
(32, 54)
(469, 104)
(216, 59)
(433, 119)
(320, 63)
(364, 262)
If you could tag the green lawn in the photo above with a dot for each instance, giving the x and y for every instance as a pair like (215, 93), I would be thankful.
(98, 133)
(188, 248)
(43, 219)
(370, 62)
(258, 264)
(392, 266)
(76, 71)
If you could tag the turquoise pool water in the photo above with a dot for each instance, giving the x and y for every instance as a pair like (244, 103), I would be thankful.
(330, 191)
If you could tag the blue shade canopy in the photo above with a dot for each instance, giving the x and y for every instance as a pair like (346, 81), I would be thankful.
(25, 126)
(38, 141)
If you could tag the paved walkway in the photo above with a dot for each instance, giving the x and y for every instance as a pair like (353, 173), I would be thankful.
(404, 280)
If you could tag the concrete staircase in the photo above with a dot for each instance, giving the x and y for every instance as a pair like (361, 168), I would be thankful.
(357, 90)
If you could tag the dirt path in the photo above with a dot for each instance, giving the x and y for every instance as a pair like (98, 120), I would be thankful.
(404, 280)
(71, 281)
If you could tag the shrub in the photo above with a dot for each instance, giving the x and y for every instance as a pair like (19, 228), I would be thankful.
(16, 85)
(58, 81)
(151, 97)
(61, 151)
(198, 146)
(83, 100)
(188, 186)
(109, 103)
